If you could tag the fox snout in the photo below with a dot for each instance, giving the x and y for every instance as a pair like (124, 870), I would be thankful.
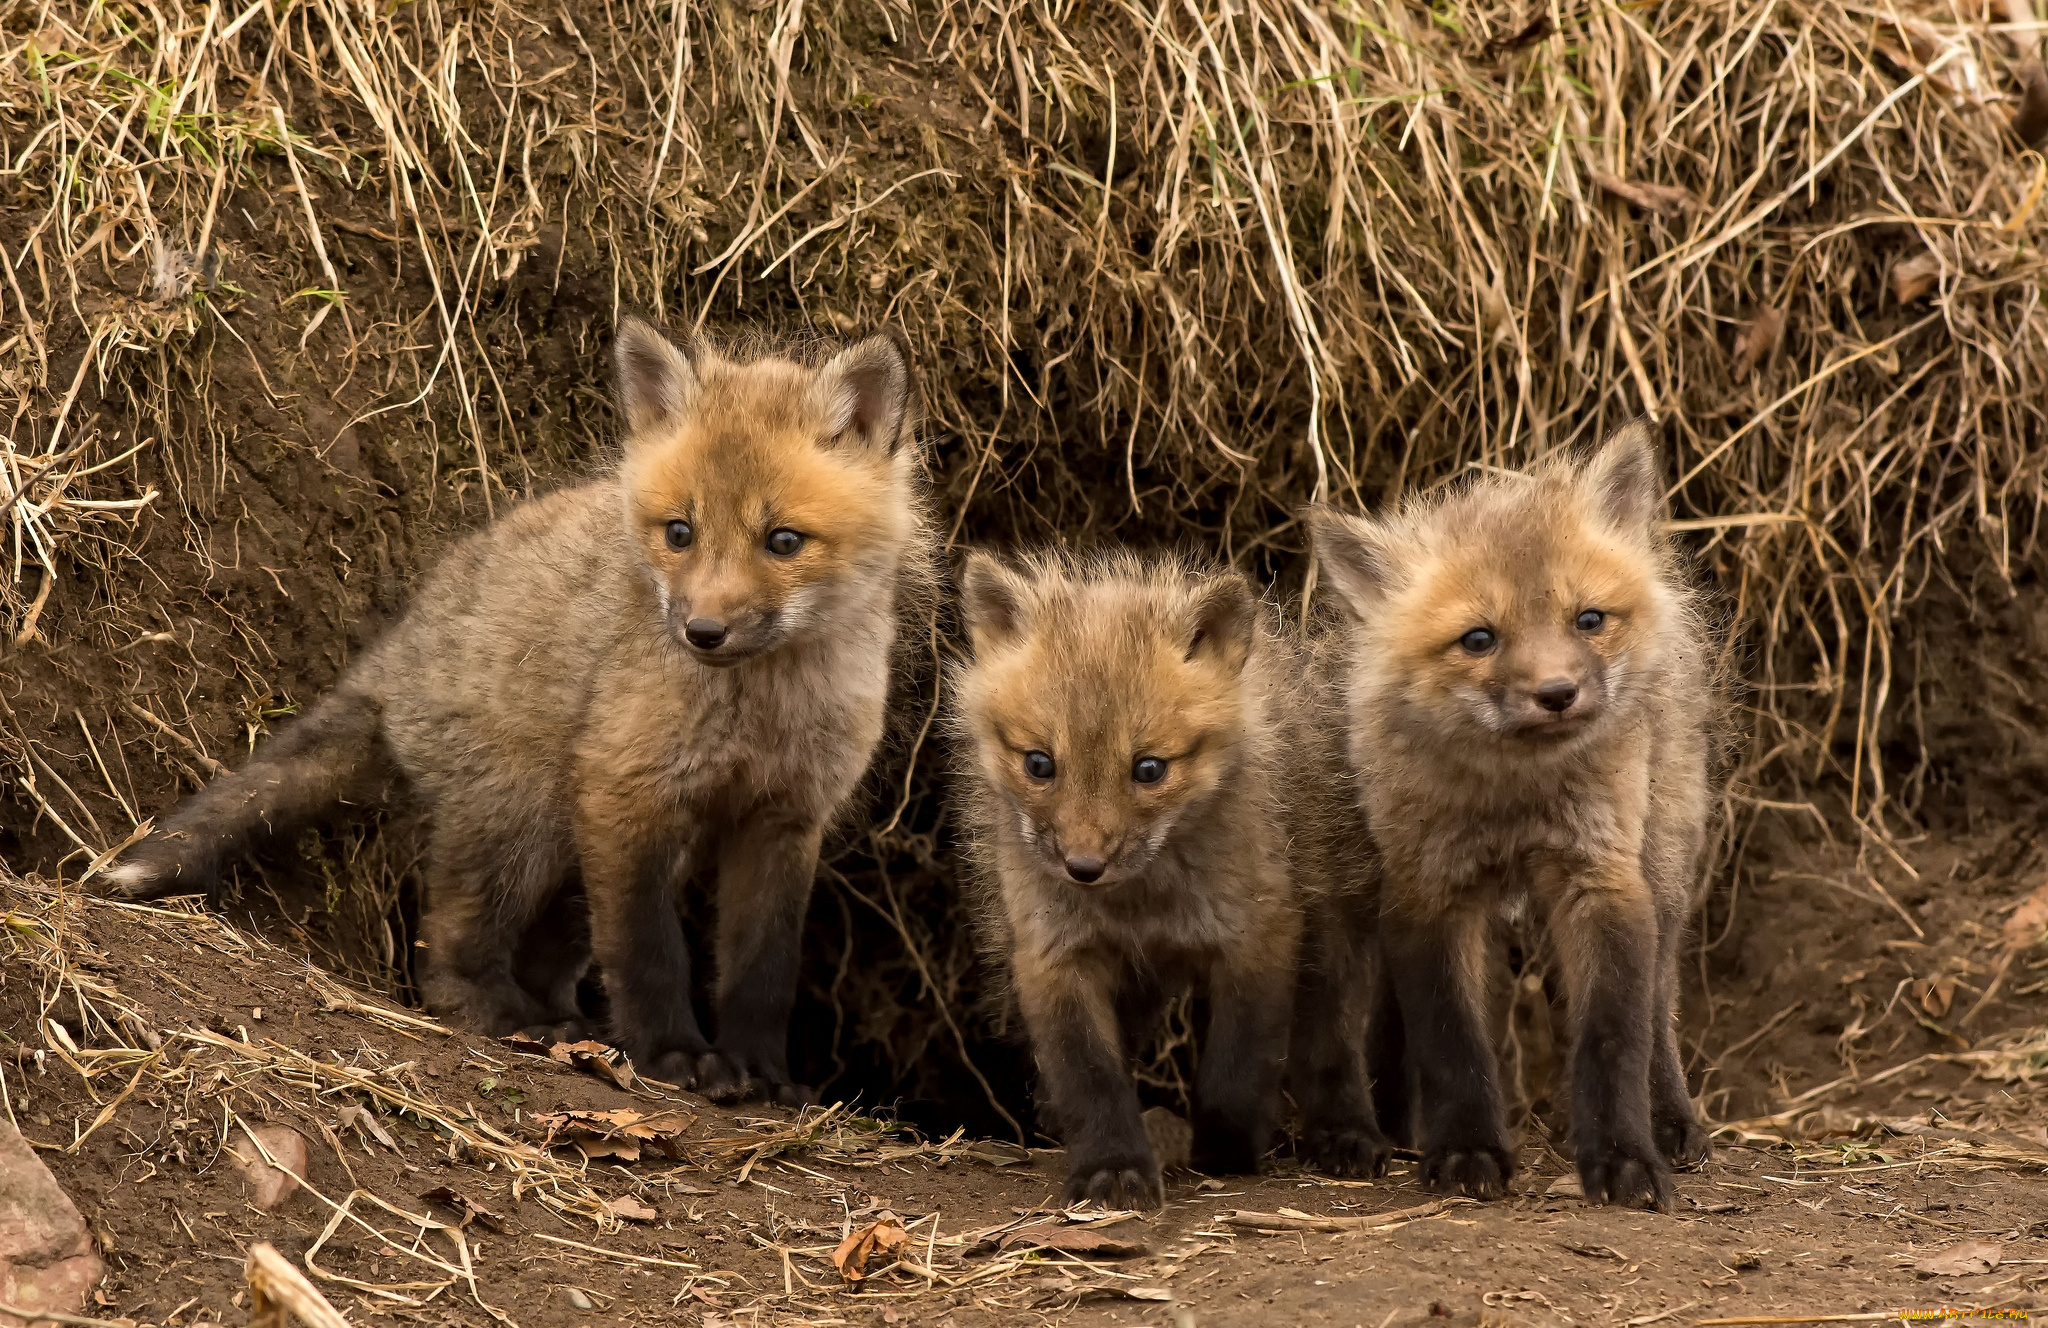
(723, 636)
(1555, 693)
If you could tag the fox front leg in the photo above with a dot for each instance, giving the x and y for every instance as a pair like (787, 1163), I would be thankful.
(638, 940)
(1070, 1009)
(765, 870)
(1237, 1092)
(1436, 963)
(1604, 927)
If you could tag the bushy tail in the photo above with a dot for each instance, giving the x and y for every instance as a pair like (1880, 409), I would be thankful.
(333, 754)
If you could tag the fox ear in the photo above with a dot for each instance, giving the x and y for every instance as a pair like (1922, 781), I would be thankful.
(993, 596)
(1359, 554)
(656, 380)
(1224, 619)
(863, 392)
(1622, 477)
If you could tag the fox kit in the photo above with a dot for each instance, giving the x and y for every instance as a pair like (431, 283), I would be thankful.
(680, 666)
(1139, 766)
(1528, 710)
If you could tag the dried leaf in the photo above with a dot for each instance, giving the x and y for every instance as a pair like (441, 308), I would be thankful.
(1595, 1251)
(1913, 278)
(2028, 924)
(1935, 994)
(362, 1120)
(471, 1210)
(618, 1134)
(1566, 1187)
(1149, 1293)
(270, 1182)
(997, 1153)
(1086, 1240)
(1967, 1259)
(1663, 199)
(883, 1236)
(632, 1209)
(1758, 341)
(606, 1062)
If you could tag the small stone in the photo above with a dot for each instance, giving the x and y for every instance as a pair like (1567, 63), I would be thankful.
(267, 1185)
(578, 1299)
(46, 1255)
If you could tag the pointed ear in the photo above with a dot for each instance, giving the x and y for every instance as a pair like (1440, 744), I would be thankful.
(1225, 616)
(1360, 556)
(863, 392)
(656, 382)
(993, 597)
(1622, 477)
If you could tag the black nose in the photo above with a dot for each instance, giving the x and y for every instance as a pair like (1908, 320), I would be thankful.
(1085, 870)
(705, 633)
(1557, 694)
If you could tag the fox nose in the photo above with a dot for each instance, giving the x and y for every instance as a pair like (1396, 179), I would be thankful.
(1084, 869)
(705, 633)
(1557, 694)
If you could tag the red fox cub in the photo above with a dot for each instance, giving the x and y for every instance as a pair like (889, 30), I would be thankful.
(1150, 804)
(1529, 708)
(683, 665)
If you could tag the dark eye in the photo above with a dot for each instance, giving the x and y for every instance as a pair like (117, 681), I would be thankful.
(1148, 769)
(1592, 620)
(782, 541)
(1038, 765)
(1478, 641)
(679, 534)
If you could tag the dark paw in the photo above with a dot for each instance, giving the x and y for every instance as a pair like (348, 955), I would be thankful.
(1481, 1171)
(723, 1078)
(1683, 1143)
(1346, 1151)
(1626, 1175)
(677, 1066)
(1224, 1151)
(1126, 1183)
(565, 1030)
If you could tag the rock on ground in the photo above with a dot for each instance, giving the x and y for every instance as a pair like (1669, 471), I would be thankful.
(46, 1256)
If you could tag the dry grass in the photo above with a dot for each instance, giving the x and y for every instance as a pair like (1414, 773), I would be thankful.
(1170, 271)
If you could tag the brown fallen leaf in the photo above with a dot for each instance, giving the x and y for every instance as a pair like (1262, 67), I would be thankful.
(471, 1210)
(1935, 994)
(1066, 1238)
(364, 1122)
(1663, 199)
(619, 1134)
(270, 1182)
(1595, 1251)
(2026, 927)
(2030, 121)
(1913, 278)
(1566, 1187)
(1536, 31)
(1758, 341)
(1148, 1292)
(1966, 1259)
(883, 1236)
(532, 1046)
(606, 1062)
(632, 1209)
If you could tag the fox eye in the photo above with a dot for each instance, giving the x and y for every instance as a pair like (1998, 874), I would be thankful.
(1591, 620)
(1478, 641)
(1038, 765)
(680, 534)
(782, 541)
(1148, 769)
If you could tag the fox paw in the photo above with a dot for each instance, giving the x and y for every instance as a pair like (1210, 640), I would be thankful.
(1625, 1175)
(1479, 1170)
(721, 1078)
(1346, 1150)
(1683, 1142)
(1117, 1183)
(566, 1030)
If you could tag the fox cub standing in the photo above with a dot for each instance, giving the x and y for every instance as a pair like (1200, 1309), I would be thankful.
(1528, 709)
(680, 666)
(1151, 803)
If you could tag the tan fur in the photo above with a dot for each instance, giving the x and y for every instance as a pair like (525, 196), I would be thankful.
(540, 695)
(1480, 797)
(1207, 874)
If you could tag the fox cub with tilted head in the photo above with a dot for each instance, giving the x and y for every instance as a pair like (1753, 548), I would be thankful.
(1151, 804)
(683, 665)
(1529, 710)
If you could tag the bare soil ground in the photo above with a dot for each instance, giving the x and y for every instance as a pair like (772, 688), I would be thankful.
(445, 1186)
